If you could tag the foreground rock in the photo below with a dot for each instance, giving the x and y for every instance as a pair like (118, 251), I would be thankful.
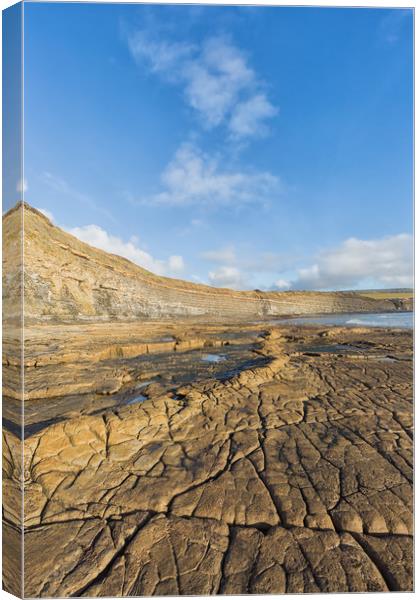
(292, 476)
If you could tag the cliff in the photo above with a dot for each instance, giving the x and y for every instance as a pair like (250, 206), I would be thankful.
(68, 280)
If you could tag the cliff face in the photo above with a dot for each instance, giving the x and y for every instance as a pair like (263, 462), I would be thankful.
(68, 280)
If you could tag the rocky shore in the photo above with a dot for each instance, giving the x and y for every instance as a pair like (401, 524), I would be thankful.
(290, 470)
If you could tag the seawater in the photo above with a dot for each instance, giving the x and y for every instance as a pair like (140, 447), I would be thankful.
(403, 320)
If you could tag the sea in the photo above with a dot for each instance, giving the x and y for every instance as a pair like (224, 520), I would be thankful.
(398, 320)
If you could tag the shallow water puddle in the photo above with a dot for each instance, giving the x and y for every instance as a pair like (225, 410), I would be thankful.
(213, 358)
(139, 398)
(143, 384)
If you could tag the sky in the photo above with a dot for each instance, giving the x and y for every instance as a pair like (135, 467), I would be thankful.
(245, 147)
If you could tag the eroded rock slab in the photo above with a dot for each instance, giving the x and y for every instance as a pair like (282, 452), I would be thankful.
(290, 476)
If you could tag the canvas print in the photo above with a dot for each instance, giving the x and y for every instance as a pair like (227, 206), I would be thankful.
(207, 299)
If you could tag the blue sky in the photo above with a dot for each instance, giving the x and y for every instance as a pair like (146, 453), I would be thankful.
(246, 147)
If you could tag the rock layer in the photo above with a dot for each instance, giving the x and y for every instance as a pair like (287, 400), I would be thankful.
(65, 279)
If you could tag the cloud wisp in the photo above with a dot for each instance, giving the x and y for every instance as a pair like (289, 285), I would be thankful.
(62, 187)
(217, 81)
(392, 25)
(195, 178)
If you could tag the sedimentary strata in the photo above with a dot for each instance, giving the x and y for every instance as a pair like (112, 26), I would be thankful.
(66, 279)
(294, 475)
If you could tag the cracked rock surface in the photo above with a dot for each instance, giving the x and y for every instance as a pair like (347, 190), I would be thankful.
(293, 474)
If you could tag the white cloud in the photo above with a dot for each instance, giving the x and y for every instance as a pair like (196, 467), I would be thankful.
(386, 262)
(282, 284)
(22, 186)
(98, 237)
(217, 81)
(248, 117)
(193, 177)
(227, 276)
(176, 264)
(162, 56)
